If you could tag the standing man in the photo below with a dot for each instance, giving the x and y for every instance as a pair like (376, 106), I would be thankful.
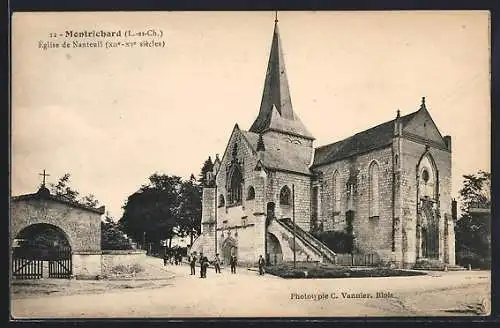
(201, 265)
(217, 263)
(233, 264)
(165, 258)
(192, 263)
(204, 266)
(261, 265)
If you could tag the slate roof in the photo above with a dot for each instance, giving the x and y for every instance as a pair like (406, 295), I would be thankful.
(376, 137)
(44, 193)
(280, 154)
(276, 111)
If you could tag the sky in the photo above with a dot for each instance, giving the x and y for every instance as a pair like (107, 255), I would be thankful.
(112, 117)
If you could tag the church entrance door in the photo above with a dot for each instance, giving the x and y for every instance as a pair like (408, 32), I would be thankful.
(229, 249)
(429, 234)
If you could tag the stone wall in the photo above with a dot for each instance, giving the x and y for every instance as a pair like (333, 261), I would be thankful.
(87, 264)
(372, 234)
(113, 258)
(302, 186)
(81, 227)
(412, 153)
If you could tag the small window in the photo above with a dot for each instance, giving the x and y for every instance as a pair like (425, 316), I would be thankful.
(221, 201)
(251, 193)
(285, 196)
(425, 176)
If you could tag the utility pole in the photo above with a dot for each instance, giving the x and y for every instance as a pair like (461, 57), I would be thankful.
(215, 225)
(293, 217)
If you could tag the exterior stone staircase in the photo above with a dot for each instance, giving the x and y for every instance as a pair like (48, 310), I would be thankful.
(308, 239)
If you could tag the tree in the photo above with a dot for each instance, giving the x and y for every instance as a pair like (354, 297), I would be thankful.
(207, 167)
(190, 208)
(90, 201)
(63, 189)
(151, 213)
(111, 235)
(472, 232)
(476, 191)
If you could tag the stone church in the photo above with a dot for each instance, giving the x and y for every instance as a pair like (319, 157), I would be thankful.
(271, 188)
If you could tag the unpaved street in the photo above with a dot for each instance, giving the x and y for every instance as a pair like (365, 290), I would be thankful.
(248, 294)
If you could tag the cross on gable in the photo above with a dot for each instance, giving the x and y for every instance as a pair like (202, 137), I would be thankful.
(44, 175)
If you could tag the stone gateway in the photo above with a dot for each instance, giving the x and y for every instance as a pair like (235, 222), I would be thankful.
(391, 183)
(61, 225)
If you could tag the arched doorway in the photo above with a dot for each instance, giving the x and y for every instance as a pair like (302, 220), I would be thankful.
(41, 250)
(229, 249)
(429, 234)
(274, 249)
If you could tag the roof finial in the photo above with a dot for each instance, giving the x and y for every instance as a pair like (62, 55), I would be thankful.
(398, 113)
(275, 16)
(423, 103)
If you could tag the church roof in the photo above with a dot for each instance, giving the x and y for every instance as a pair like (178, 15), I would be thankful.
(373, 138)
(44, 193)
(280, 154)
(276, 111)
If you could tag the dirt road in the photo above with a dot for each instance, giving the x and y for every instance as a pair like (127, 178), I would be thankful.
(247, 294)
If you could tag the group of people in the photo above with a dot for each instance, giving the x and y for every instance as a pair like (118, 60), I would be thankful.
(173, 258)
(204, 264)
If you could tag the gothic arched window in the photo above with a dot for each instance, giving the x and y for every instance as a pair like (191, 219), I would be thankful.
(374, 197)
(251, 193)
(221, 201)
(336, 193)
(285, 196)
(234, 194)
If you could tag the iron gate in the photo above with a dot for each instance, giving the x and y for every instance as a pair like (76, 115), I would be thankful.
(28, 263)
(60, 265)
(27, 269)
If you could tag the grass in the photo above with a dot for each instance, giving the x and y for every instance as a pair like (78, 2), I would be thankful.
(308, 271)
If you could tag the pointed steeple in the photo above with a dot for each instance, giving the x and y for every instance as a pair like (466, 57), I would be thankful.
(276, 112)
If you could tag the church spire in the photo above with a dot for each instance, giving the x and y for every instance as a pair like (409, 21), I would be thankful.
(276, 112)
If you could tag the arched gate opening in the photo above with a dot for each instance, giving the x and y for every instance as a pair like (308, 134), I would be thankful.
(41, 251)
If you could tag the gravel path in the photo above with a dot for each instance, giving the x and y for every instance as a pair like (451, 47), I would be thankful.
(247, 294)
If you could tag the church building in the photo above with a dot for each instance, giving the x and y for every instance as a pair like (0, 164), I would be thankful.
(391, 184)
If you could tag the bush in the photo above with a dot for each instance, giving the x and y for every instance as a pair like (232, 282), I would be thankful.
(122, 269)
(338, 241)
(466, 258)
(306, 272)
